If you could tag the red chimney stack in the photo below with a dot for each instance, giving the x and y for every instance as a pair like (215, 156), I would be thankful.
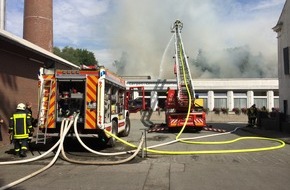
(38, 23)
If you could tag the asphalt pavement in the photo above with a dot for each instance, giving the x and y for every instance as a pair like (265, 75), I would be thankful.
(265, 170)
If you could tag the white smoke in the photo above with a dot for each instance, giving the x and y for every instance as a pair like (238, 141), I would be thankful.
(141, 29)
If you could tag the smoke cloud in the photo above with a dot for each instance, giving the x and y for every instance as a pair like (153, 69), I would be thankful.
(222, 39)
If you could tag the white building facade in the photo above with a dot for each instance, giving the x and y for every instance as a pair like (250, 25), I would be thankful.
(216, 93)
(283, 35)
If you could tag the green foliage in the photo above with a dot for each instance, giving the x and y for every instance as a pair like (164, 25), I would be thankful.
(76, 56)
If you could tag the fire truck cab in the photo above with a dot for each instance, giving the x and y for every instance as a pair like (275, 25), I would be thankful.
(95, 93)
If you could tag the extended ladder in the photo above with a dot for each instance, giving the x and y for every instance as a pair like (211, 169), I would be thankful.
(45, 95)
(184, 80)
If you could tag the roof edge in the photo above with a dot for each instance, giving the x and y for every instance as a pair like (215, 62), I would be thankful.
(23, 42)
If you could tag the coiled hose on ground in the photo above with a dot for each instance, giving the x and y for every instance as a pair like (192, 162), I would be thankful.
(65, 126)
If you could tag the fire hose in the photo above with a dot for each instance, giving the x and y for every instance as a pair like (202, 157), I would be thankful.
(60, 142)
(65, 126)
(186, 140)
(148, 149)
(99, 153)
(67, 123)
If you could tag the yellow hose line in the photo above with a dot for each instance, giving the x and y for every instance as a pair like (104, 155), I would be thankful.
(282, 144)
(220, 151)
(98, 162)
(232, 141)
(119, 139)
(189, 95)
(219, 142)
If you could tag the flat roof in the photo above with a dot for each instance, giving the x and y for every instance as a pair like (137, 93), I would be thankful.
(211, 84)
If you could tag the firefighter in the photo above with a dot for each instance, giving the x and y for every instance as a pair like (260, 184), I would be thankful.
(262, 114)
(29, 112)
(252, 115)
(20, 127)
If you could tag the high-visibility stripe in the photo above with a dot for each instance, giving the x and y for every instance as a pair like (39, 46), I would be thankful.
(90, 120)
(176, 121)
(20, 128)
(91, 96)
(51, 105)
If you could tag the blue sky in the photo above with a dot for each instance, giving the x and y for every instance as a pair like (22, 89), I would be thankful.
(142, 28)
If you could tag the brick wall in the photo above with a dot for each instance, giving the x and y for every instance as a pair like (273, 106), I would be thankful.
(19, 84)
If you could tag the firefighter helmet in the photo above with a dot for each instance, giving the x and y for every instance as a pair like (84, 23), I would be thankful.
(21, 106)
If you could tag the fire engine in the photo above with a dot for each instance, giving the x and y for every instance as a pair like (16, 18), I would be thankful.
(95, 93)
(178, 100)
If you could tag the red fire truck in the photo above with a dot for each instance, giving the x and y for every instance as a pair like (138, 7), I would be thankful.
(182, 101)
(98, 95)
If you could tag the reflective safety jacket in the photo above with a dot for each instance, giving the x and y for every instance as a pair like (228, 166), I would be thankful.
(20, 124)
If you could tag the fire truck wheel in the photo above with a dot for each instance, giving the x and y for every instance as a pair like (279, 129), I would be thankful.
(126, 132)
(112, 141)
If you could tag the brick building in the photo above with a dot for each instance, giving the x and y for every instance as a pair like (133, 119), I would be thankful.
(20, 62)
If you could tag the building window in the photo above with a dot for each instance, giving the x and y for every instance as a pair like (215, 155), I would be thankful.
(220, 102)
(240, 94)
(240, 99)
(260, 102)
(201, 94)
(240, 102)
(276, 102)
(220, 94)
(286, 60)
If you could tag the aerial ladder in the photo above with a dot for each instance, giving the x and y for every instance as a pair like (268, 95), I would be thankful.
(183, 76)
(183, 100)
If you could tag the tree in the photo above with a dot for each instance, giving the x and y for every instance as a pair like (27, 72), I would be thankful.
(76, 56)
